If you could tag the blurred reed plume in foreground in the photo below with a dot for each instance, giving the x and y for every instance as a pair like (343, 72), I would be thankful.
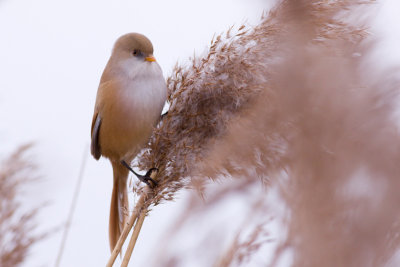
(297, 105)
(16, 225)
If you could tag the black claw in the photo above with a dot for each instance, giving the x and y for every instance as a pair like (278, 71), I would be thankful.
(149, 181)
(150, 172)
(148, 178)
(143, 178)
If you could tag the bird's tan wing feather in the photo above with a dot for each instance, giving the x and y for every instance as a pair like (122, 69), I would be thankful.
(95, 148)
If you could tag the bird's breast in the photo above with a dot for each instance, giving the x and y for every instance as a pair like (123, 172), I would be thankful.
(130, 117)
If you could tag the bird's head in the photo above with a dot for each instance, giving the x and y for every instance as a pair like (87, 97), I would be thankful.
(132, 57)
(134, 46)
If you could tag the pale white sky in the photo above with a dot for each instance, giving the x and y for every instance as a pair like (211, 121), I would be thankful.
(52, 54)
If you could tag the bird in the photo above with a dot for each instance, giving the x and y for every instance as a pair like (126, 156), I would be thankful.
(129, 102)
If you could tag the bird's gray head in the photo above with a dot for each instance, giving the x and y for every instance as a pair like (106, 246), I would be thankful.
(132, 56)
(133, 45)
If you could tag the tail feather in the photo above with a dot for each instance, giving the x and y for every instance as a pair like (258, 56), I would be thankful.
(119, 208)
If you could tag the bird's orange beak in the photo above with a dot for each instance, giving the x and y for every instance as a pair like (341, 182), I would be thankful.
(150, 59)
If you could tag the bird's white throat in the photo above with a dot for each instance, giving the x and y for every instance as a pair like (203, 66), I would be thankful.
(144, 91)
(135, 68)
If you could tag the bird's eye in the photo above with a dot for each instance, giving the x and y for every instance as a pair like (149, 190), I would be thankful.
(135, 52)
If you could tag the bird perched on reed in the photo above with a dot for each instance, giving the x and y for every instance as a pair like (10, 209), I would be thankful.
(129, 101)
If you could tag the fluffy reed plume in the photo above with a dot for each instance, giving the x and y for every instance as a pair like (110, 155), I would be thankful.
(16, 225)
(296, 102)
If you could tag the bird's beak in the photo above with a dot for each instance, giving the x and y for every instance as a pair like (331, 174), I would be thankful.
(150, 58)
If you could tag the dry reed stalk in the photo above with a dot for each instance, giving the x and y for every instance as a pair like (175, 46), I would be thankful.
(297, 103)
(72, 207)
(136, 220)
(134, 237)
(125, 231)
(16, 226)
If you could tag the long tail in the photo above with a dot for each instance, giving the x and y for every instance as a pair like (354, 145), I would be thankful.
(119, 208)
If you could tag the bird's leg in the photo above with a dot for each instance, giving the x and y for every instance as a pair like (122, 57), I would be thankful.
(144, 178)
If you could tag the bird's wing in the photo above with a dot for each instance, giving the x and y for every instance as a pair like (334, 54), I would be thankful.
(105, 94)
(95, 146)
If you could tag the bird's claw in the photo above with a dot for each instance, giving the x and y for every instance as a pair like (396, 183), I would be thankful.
(149, 181)
(148, 177)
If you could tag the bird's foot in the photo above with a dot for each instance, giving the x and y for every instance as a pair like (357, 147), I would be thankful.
(148, 178)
